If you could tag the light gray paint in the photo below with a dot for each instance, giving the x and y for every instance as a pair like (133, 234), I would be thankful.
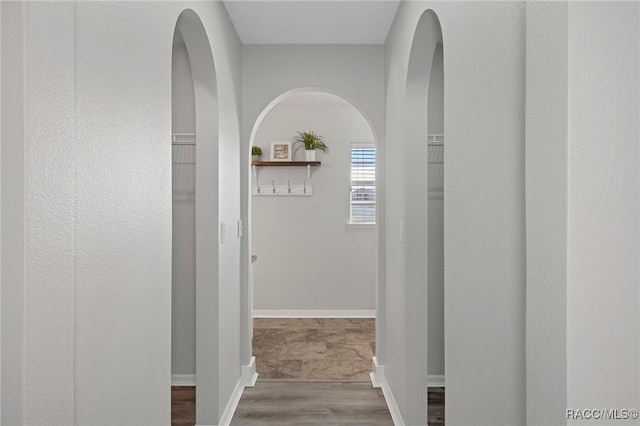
(414, 235)
(12, 212)
(49, 214)
(207, 214)
(0, 215)
(546, 191)
(122, 125)
(92, 308)
(270, 71)
(218, 330)
(435, 292)
(37, 262)
(183, 118)
(313, 99)
(603, 248)
(307, 257)
(436, 93)
(183, 252)
(484, 208)
(583, 209)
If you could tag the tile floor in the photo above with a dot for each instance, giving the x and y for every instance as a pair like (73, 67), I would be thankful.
(314, 348)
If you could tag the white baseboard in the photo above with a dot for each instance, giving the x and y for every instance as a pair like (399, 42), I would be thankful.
(232, 404)
(314, 313)
(377, 373)
(379, 380)
(435, 381)
(247, 379)
(183, 380)
(249, 374)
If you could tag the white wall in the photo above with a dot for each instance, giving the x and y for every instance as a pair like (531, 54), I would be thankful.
(97, 229)
(546, 191)
(603, 278)
(0, 215)
(12, 213)
(308, 258)
(37, 215)
(183, 252)
(436, 92)
(484, 210)
(435, 217)
(183, 119)
(582, 197)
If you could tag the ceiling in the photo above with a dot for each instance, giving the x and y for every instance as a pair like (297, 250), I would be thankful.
(312, 22)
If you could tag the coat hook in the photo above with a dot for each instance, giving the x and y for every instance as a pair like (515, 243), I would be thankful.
(289, 185)
(258, 185)
(273, 183)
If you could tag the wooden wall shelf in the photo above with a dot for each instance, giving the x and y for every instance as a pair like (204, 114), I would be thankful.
(285, 163)
(307, 164)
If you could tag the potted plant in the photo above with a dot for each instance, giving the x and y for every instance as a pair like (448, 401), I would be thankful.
(256, 153)
(311, 141)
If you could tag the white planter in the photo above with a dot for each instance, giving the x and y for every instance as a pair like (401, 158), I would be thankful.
(309, 155)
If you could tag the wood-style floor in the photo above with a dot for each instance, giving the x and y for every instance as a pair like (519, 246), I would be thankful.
(435, 406)
(296, 403)
(273, 397)
(183, 405)
(312, 371)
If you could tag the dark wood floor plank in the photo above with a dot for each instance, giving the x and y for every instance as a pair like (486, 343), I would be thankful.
(183, 405)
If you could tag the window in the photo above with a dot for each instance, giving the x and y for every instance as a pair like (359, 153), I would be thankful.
(363, 183)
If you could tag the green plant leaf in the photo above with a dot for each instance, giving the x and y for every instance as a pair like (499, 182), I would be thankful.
(310, 141)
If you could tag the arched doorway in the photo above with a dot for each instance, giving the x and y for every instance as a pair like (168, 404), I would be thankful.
(330, 208)
(424, 268)
(198, 177)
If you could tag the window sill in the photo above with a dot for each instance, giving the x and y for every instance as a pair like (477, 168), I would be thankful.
(361, 225)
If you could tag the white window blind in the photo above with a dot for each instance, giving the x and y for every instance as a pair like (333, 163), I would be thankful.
(363, 183)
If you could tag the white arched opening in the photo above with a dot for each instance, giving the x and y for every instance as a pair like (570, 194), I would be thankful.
(421, 282)
(334, 200)
(204, 297)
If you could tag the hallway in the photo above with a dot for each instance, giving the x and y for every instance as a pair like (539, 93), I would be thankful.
(537, 261)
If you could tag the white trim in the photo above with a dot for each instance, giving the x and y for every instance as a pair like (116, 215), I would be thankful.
(363, 144)
(377, 375)
(183, 380)
(364, 225)
(313, 313)
(249, 374)
(379, 380)
(435, 381)
(232, 404)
